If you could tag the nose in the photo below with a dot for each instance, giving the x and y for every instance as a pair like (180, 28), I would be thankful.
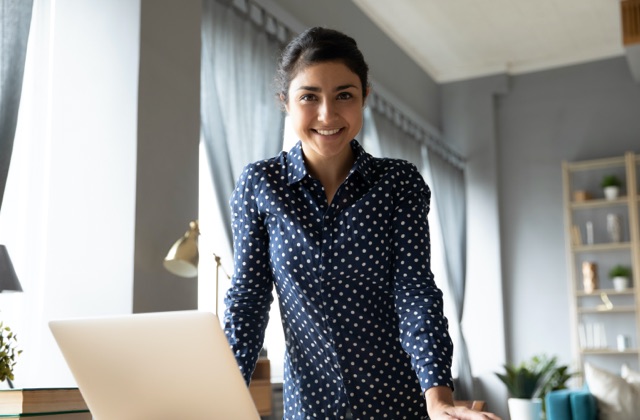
(326, 111)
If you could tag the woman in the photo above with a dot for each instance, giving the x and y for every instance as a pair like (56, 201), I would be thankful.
(344, 238)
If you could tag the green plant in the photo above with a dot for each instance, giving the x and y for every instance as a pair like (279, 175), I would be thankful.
(620, 271)
(535, 378)
(8, 352)
(611, 181)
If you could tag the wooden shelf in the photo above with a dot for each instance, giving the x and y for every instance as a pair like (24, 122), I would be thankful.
(599, 202)
(614, 310)
(612, 246)
(609, 351)
(609, 292)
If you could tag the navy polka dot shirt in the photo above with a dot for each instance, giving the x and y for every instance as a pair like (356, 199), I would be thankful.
(361, 314)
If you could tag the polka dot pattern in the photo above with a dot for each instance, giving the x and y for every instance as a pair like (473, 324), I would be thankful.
(361, 313)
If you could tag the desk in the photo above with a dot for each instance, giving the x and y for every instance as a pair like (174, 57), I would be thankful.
(260, 387)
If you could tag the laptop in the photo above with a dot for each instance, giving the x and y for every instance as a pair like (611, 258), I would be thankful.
(155, 366)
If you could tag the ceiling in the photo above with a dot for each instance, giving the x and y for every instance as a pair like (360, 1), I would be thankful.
(462, 39)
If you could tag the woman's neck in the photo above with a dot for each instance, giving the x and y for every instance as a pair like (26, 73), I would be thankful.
(331, 172)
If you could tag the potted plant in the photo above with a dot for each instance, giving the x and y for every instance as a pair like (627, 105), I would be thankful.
(611, 186)
(529, 382)
(620, 275)
(8, 354)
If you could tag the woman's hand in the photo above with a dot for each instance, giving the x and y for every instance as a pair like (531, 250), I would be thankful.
(440, 407)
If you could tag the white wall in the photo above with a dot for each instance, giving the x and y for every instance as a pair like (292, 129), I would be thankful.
(68, 214)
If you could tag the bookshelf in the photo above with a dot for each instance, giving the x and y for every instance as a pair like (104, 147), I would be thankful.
(604, 316)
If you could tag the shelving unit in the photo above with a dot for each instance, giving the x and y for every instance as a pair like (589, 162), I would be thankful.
(613, 312)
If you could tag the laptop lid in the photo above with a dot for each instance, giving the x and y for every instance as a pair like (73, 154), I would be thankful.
(167, 365)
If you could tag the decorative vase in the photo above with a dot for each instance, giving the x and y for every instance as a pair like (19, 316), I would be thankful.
(525, 408)
(620, 283)
(614, 227)
(589, 276)
(611, 193)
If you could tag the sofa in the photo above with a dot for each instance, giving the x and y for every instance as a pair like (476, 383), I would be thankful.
(605, 396)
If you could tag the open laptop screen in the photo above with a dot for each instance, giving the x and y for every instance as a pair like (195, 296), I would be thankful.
(166, 365)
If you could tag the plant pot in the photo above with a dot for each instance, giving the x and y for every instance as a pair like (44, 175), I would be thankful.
(525, 408)
(611, 193)
(620, 283)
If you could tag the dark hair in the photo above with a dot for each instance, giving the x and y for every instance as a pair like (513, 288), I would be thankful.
(317, 45)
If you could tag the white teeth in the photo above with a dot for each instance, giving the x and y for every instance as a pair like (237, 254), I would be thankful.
(328, 132)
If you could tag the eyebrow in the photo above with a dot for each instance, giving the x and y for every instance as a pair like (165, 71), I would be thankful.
(317, 89)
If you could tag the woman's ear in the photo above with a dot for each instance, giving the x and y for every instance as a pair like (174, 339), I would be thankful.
(366, 95)
(283, 103)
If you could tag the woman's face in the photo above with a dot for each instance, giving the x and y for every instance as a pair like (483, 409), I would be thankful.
(325, 107)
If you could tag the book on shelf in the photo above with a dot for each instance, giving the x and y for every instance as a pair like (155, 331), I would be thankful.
(41, 400)
(77, 415)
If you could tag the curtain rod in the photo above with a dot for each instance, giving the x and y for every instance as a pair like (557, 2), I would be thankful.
(420, 130)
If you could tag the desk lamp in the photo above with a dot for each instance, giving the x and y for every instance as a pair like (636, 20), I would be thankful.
(182, 259)
(8, 278)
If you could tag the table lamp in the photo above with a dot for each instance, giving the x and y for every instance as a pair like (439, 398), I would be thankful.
(8, 279)
(182, 259)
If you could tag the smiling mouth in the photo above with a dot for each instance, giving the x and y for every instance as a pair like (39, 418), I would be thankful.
(328, 132)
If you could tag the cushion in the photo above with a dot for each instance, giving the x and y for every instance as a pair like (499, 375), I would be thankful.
(629, 375)
(617, 398)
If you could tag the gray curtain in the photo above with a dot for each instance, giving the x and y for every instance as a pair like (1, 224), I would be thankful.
(385, 133)
(15, 18)
(448, 187)
(241, 119)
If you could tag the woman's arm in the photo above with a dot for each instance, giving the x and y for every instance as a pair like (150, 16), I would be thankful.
(249, 297)
(418, 301)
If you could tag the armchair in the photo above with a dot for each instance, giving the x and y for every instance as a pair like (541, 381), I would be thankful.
(571, 404)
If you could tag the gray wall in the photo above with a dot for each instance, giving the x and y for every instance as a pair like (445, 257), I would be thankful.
(468, 110)
(574, 113)
(167, 156)
(515, 136)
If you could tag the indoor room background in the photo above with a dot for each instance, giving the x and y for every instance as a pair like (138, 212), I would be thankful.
(107, 173)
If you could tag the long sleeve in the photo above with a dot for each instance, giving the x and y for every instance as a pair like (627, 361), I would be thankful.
(249, 297)
(418, 301)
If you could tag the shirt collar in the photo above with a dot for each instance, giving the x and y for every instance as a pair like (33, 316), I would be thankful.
(295, 164)
(296, 169)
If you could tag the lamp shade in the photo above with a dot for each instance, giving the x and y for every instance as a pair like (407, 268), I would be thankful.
(8, 278)
(182, 258)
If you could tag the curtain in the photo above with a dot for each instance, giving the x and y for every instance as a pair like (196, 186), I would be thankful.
(241, 118)
(449, 188)
(15, 18)
(384, 132)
